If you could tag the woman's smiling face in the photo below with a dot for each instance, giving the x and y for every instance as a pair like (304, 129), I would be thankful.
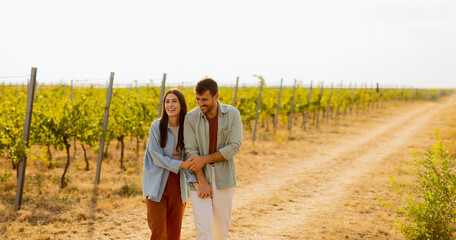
(172, 105)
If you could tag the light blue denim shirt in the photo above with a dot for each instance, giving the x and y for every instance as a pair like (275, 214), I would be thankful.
(158, 163)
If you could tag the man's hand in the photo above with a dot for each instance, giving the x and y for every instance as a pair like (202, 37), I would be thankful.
(195, 163)
(204, 189)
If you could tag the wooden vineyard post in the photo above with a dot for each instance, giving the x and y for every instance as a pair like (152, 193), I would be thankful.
(369, 97)
(402, 98)
(381, 101)
(290, 121)
(276, 117)
(71, 100)
(364, 98)
(162, 92)
(377, 95)
(235, 92)
(375, 92)
(360, 99)
(28, 121)
(347, 98)
(258, 108)
(71, 96)
(105, 126)
(372, 97)
(329, 102)
(353, 99)
(395, 92)
(338, 100)
(319, 105)
(307, 108)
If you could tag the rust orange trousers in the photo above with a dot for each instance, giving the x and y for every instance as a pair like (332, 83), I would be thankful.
(165, 217)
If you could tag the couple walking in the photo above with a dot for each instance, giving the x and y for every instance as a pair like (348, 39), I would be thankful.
(191, 154)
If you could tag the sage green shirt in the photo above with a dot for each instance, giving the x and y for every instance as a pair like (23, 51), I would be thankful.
(229, 137)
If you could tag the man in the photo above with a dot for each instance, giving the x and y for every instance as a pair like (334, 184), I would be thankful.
(212, 136)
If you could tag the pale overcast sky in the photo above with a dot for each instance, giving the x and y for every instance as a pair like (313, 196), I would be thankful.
(400, 42)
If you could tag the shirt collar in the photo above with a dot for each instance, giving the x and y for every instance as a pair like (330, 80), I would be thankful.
(222, 108)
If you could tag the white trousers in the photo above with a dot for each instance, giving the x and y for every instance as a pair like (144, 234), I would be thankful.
(212, 215)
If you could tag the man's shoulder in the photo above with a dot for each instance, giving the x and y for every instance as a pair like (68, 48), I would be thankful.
(194, 111)
(228, 109)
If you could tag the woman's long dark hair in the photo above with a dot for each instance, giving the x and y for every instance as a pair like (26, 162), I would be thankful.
(165, 118)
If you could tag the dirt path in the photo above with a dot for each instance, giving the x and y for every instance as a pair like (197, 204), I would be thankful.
(287, 200)
(300, 188)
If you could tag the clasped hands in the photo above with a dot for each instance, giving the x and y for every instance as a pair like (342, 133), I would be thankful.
(194, 163)
(204, 190)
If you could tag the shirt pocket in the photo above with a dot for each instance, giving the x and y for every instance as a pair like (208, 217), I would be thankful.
(224, 136)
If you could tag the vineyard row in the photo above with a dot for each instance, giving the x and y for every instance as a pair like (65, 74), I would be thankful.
(62, 117)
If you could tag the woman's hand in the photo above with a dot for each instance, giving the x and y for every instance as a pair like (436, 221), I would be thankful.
(204, 189)
(184, 165)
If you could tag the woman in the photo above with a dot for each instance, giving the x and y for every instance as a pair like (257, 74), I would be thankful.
(164, 186)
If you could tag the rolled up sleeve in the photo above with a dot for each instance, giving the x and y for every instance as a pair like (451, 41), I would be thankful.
(235, 138)
(190, 175)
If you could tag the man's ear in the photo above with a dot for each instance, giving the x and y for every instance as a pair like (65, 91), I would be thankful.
(216, 96)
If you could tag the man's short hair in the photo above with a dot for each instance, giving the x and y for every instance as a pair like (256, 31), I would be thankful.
(206, 84)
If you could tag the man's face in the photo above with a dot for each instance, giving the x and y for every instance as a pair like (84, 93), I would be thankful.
(206, 102)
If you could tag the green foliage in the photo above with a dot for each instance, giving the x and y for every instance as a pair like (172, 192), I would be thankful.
(12, 143)
(39, 181)
(247, 102)
(6, 175)
(88, 120)
(57, 118)
(129, 189)
(427, 209)
(130, 170)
